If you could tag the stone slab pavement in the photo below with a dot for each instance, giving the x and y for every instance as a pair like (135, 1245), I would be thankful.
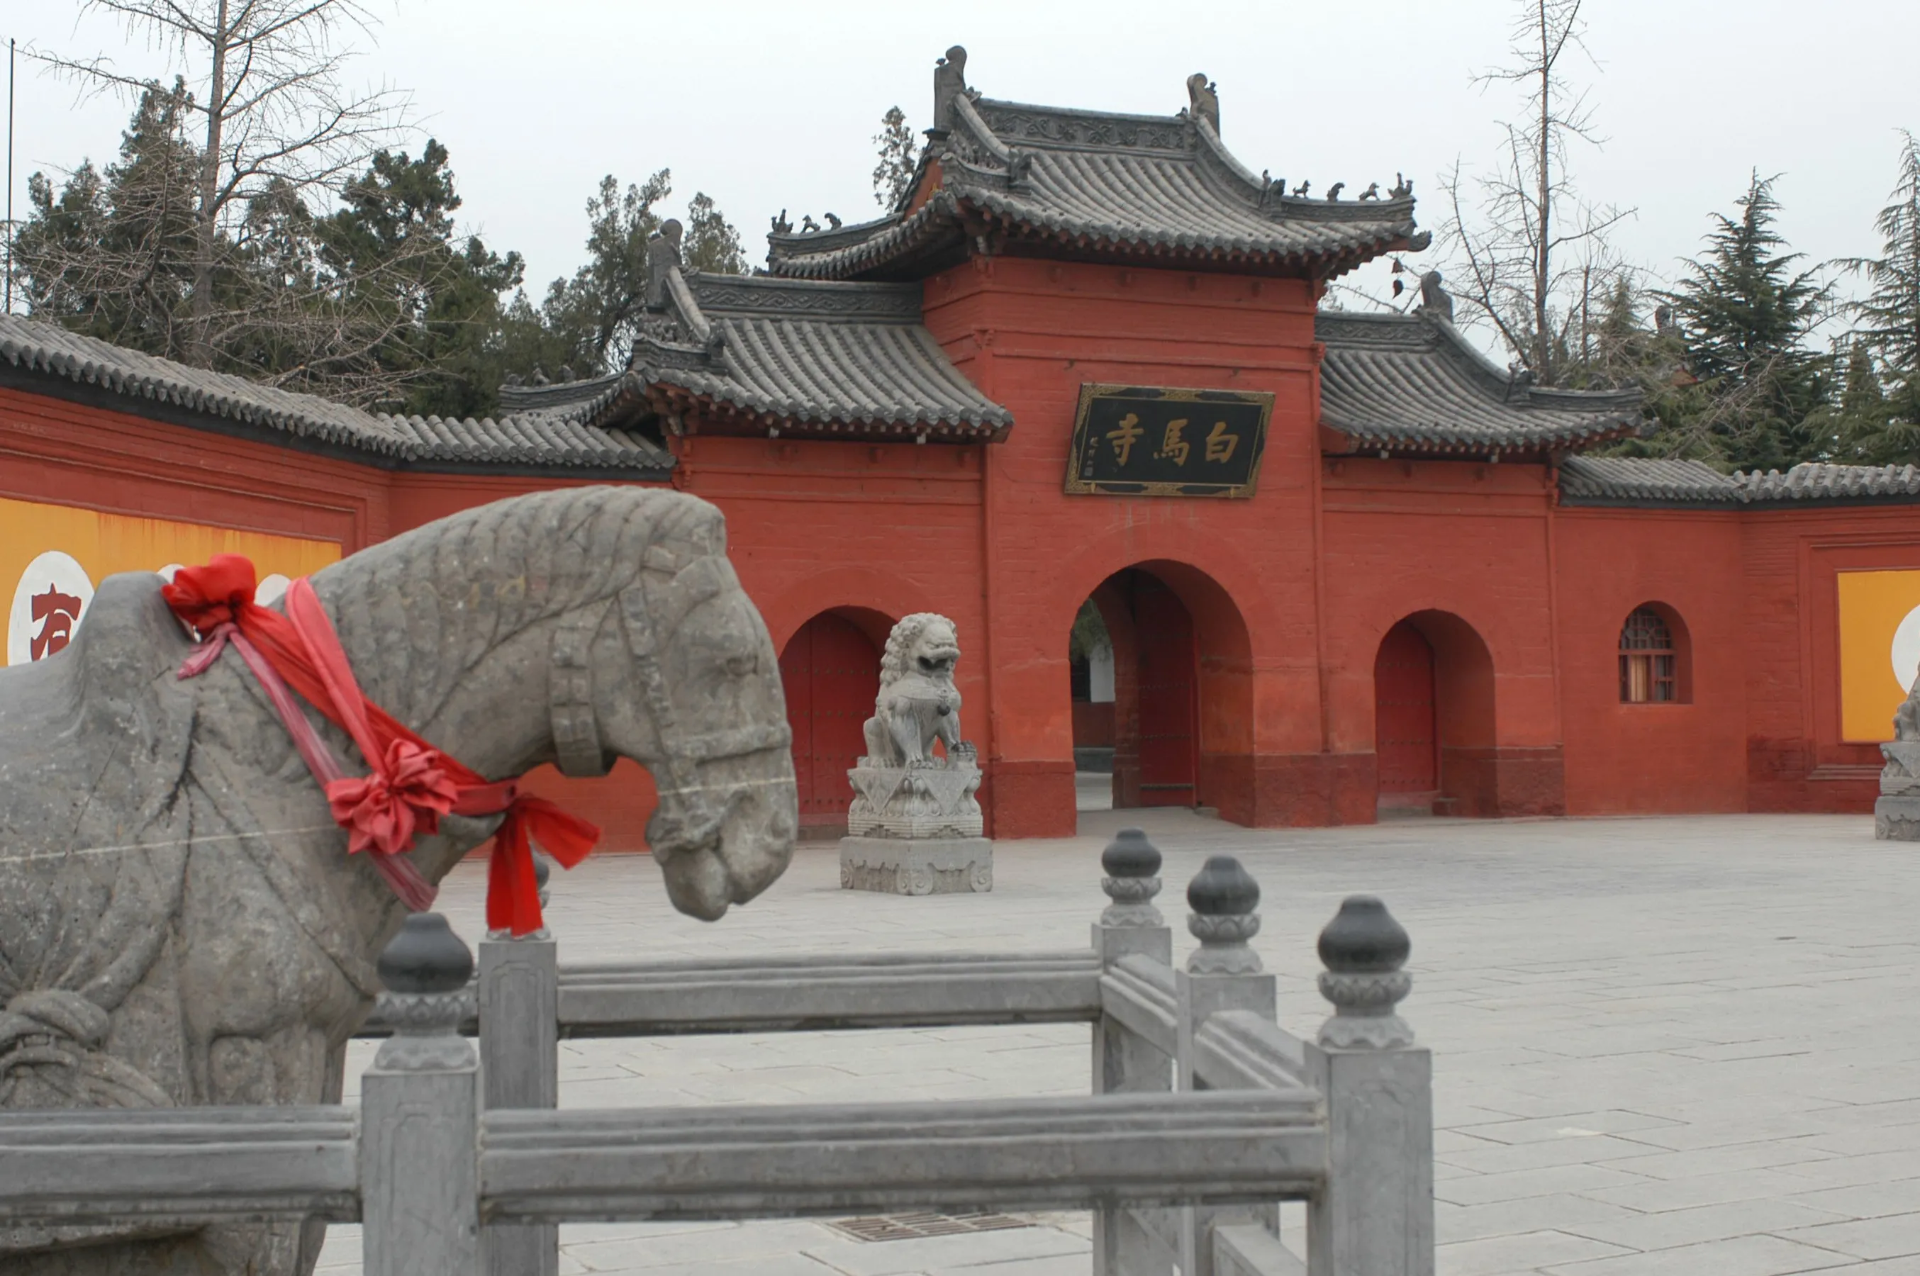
(1676, 1045)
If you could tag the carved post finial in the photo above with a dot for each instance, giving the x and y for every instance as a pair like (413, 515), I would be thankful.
(1132, 865)
(1223, 896)
(1364, 949)
(426, 969)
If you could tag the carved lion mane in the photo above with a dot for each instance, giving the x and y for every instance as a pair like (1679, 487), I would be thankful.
(897, 660)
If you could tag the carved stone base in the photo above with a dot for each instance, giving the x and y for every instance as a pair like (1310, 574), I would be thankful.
(933, 801)
(1897, 819)
(916, 866)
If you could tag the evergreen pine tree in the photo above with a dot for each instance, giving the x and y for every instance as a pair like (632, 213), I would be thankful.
(1888, 317)
(1744, 311)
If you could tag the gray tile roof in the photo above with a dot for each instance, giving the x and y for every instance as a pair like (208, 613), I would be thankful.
(1620, 479)
(1636, 481)
(1406, 383)
(756, 354)
(542, 441)
(1148, 189)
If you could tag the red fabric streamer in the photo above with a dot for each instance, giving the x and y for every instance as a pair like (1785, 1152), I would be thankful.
(411, 784)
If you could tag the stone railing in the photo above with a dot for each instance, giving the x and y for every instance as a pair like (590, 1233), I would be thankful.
(1204, 1112)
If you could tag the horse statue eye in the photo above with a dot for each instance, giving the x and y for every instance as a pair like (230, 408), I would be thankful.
(742, 665)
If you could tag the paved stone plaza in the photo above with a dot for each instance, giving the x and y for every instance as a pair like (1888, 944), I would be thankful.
(1668, 1046)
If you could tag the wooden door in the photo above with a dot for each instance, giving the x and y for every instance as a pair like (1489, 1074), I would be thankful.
(1169, 695)
(831, 672)
(1405, 741)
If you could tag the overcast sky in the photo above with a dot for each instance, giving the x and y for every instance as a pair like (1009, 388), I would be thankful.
(770, 106)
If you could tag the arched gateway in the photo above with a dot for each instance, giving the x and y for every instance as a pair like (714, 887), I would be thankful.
(1181, 695)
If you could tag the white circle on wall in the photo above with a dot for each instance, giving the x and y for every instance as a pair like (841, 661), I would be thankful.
(166, 573)
(1906, 650)
(271, 590)
(48, 604)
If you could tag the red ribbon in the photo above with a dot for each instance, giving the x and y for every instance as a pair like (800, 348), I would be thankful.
(411, 784)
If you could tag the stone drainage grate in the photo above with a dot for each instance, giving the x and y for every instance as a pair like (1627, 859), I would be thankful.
(904, 1227)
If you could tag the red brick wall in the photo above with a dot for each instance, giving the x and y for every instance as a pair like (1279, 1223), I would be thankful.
(1029, 333)
(1647, 758)
(1796, 760)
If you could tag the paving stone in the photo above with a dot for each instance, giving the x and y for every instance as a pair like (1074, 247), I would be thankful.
(1672, 1228)
(1743, 1256)
(715, 1245)
(1895, 1236)
(1564, 1211)
(892, 1258)
(1522, 1252)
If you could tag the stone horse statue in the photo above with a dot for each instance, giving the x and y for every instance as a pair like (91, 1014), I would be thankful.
(180, 923)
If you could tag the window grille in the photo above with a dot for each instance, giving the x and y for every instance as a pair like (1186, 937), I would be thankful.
(1647, 660)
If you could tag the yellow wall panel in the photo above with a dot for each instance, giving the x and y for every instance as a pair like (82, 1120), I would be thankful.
(1879, 649)
(52, 556)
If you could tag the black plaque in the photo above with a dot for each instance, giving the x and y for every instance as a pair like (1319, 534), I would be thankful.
(1134, 440)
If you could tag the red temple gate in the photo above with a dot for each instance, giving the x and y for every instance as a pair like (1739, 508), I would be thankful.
(831, 672)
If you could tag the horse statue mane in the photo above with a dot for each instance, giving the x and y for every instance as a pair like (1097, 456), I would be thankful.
(180, 923)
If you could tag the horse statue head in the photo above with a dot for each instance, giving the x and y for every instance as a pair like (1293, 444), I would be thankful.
(578, 627)
(180, 921)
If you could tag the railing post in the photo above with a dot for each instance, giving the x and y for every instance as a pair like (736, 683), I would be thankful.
(1375, 1215)
(520, 1066)
(1222, 974)
(1122, 1061)
(419, 1158)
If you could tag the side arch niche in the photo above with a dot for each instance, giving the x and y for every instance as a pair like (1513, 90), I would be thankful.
(1434, 741)
(830, 671)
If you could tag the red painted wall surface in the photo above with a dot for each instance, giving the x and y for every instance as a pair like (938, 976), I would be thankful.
(1652, 758)
(1796, 759)
(1463, 550)
(1029, 333)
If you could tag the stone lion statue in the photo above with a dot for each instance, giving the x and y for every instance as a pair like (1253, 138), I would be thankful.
(918, 702)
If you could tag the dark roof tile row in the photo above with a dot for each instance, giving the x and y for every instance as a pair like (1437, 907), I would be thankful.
(1126, 186)
(1619, 480)
(789, 354)
(537, 440)
(1408, 383)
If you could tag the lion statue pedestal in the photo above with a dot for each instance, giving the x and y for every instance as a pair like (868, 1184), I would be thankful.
(914, 827)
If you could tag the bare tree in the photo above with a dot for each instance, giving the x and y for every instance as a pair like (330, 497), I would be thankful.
(267, 81)
(1527, 253)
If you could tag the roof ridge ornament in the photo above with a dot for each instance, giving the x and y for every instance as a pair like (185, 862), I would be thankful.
(949, 83)
(1203, 99)
(663, 255)
(1434, 301)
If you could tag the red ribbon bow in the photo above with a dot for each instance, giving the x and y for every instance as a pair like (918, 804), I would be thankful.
(411, 784)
